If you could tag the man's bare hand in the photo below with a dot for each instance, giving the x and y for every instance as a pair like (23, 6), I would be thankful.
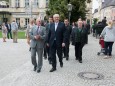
(63, 44)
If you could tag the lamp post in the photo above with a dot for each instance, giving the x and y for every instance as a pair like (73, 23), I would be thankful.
(69, 10)
(31, 7)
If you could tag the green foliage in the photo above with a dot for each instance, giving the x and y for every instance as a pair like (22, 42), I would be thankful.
(95, 20)
(60, 7)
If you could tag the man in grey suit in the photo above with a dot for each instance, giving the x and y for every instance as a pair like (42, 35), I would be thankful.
(37, 36)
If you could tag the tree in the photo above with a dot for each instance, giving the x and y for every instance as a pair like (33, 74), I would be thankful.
(60, 7)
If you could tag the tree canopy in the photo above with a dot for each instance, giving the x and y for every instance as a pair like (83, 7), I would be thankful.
(60, 7)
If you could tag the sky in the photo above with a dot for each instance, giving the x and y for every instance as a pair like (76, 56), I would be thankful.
(95, 4)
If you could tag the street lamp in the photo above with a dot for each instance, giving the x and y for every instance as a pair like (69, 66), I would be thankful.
(31, 7)
(69, 10)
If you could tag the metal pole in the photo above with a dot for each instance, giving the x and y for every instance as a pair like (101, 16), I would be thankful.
(31, 9)
(69, 17)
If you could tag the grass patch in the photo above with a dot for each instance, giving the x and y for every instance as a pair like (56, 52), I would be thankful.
(21, 35)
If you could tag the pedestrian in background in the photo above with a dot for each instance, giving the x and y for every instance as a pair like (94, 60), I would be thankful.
(109, 38)
(68, 34)
(46, 47)
(4, 32)
(9, 32)
(28, 30)
(14, 28)
(74, 25)
(86, 29)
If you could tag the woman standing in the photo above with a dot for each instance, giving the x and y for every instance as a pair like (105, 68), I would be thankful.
(4, 32)
(29, 27)
(109, 37)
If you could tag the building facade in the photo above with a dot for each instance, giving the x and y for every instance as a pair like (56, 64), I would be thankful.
(89, 13)
(22, 10)
(106, 9)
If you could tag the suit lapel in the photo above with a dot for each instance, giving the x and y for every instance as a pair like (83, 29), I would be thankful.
(54, 27)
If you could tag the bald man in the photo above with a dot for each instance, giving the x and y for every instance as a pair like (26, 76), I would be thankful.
(56, 40)
(37, 36)
(78, 36)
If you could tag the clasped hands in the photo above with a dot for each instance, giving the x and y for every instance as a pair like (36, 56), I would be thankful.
(37, 37)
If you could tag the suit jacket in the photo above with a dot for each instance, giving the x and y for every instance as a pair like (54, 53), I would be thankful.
(68, 32)
(37, 43)
(59, 34)
(47, 30)
(74, 36)
(8, 29)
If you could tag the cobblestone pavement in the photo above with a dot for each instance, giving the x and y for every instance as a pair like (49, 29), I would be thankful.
(19, 72)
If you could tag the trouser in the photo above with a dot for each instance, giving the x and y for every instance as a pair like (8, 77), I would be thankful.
(78, 50)
(15, 36)
(40, 57)
(9, 34)
(53, 49)
(108, 48)
(46, 52)
(66, 50)
(86, 39)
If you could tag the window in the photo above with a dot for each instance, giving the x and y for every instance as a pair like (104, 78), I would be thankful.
(26, 3)
(18, 21)
(47, 3)
(17, 3)
(36, 4)
(26, 21)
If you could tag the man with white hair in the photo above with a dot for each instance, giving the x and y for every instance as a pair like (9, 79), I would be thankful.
(37, 36)
(56, 40)
(78, 36)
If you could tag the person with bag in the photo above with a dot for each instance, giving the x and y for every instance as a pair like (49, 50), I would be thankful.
(4, 32)
(14, 28)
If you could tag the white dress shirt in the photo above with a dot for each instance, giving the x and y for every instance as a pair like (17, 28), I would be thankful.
(56, 24)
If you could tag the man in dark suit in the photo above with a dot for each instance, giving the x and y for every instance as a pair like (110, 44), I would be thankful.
(56, 40)
(68, 33)
(46, 47)
(8, 25)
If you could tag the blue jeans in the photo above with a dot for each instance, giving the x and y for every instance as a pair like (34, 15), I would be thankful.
(108, 48)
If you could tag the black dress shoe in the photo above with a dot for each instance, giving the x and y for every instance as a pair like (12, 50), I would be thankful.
(61, 64)
(35, 67)
(64, 57)
(80, 61)
(38, 71)
(53, 69)
(67, 58)
(45, 57)
(76, 58)
(50, 62)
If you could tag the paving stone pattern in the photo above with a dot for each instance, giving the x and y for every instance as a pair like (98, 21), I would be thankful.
(16, 68)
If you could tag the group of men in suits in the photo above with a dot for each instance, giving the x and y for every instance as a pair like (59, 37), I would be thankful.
(56, 38)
